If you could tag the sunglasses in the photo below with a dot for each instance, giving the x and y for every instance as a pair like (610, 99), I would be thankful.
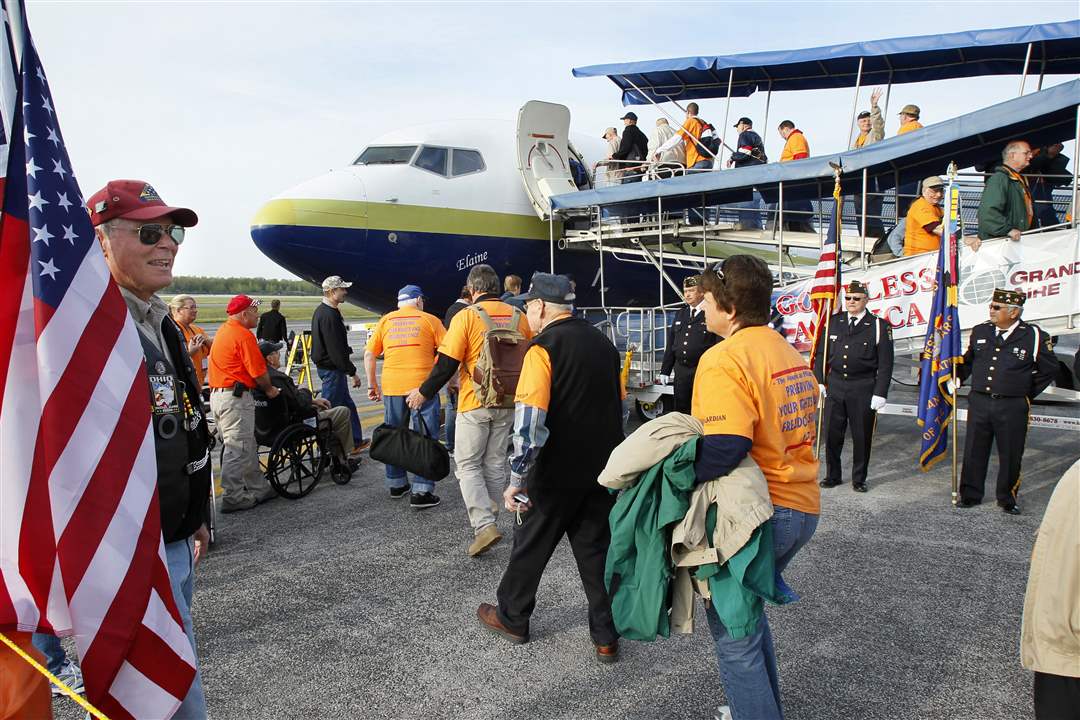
(855, 298)
(995, 306)
(150, 234)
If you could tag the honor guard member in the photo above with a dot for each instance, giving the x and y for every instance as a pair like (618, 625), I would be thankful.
(688, 339)
(140, 236)
(567, 420)
(854, 378)
(1008, 363)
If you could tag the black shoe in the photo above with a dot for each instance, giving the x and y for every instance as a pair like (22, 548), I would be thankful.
(826, 483)
(1012, 509)
(859, 487)
(419, 501)
(962, 503)
(399, 492)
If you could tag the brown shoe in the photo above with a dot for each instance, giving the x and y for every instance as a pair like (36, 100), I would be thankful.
(608, 653)
(484, 540)
(489, 618)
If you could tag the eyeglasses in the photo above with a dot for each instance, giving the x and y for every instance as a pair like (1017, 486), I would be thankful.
(150, 234)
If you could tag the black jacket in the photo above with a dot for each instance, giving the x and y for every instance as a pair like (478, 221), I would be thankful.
(633, 146)
(453, 310)
(1021, 366)
(330, 341)
(297, 400)
(687, 341)
(272, 327)
(750, 150)
(852, 355)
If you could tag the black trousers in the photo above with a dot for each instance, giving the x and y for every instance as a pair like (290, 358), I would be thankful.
(583, 517)
(1056, 697)
(848, 402)
(1003, 421)
(684, 387)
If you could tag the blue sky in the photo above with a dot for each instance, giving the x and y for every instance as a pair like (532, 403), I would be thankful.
(223, 105)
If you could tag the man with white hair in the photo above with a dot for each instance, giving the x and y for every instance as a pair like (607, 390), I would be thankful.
(1006, 208)
(408, 339)
(673, 157)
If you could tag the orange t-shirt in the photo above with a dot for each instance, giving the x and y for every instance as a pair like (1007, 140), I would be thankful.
(199, 359)
(916, 238)
(796, 147)
(235, 357)
(407, 339)
(466, 335)
(909, 126)
(534, 384)
(691, 130)
(756, 385)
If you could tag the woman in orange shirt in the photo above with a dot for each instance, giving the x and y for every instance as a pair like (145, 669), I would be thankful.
(184, 311)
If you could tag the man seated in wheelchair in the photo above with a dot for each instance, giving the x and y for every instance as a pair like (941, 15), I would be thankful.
(300, 405)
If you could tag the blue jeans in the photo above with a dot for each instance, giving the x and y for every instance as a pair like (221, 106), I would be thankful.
(335, 388)
(394, 409)
(50, 647)
(451, 417)
(748, 665)
(180, 557)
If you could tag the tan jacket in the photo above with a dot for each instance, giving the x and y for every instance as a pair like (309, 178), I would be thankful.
(877, 130)
(646, 446)
(1050, 629)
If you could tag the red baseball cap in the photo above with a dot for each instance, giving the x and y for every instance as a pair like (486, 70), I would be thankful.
(134, 200)
(240, 303)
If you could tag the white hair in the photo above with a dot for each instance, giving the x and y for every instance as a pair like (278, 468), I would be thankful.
(556, 308)
(411, 302)
(178, 301)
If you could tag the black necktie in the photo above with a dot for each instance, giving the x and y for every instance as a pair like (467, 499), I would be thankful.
(851, 324)
(1000, 336)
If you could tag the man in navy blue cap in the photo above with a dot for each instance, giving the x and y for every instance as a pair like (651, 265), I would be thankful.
(408, 339)
(567, 420)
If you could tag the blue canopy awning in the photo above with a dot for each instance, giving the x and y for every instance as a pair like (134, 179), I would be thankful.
(1040, 118)
(1055, 50)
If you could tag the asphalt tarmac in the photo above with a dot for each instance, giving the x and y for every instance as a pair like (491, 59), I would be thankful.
(349, 604)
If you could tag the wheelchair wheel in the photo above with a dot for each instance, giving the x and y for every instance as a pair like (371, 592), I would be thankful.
(296, 462)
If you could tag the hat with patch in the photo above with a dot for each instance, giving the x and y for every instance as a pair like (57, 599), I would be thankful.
(240, 303)
(691, 281)
(266, 347)
(409, 292)
(549, 288)
(857, 288)
(1009, 297)
(912, 110)
(134, 200)
(333, 282)
(629, 116)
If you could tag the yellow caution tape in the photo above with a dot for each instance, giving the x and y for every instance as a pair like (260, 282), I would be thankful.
(53, 679)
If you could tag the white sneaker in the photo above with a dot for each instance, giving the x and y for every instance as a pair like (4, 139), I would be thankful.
(723, 713)
(71, 676)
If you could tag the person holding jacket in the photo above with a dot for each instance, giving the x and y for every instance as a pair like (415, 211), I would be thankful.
(755, 395)
(332, 355)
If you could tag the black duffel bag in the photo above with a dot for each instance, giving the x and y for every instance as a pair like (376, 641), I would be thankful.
(422, 455)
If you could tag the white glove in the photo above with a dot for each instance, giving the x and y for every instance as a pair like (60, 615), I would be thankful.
(949, 387)
(877, 402)
(822, 389)
(663, 379)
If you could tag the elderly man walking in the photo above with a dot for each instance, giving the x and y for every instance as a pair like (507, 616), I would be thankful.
(140, 236)
(236, 368)
(332, 355)
(407, 338)
(484, 420)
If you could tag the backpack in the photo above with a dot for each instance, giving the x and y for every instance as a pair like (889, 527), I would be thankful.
(498, 368)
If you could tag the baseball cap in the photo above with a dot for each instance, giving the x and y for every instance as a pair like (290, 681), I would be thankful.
(333, 282)
(240, 303)
(744, 121)
(864, 114)
(608, 132)
(629, 116)
(912, 110)
(409, 292)
(266, 347)
(933, 181)
(549, 288)
(134, 200)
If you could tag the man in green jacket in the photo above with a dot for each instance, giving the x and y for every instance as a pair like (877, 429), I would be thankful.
(1005, 209)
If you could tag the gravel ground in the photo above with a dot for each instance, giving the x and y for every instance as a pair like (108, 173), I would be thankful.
(347, 604)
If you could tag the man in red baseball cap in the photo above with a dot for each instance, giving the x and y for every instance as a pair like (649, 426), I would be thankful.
(140, 236)
(236, 368)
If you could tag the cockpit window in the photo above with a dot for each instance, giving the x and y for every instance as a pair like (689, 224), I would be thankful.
(432, 159)
(466, 161)
(386, 155)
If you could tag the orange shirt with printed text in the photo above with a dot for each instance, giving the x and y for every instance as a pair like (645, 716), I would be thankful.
(407, 338)
(756, 385)
(465, 336)
(202, 355)
(796, 147)
(917, 239)
(235, 357)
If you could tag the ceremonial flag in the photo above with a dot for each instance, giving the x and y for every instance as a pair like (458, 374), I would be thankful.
(825, 288)
(81, 550)
(941, 348)
(9, 71)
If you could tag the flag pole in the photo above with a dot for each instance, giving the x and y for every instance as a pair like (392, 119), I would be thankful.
(829, 314)
(954, 253)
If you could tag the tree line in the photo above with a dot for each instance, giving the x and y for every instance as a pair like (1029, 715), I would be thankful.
(196, 285)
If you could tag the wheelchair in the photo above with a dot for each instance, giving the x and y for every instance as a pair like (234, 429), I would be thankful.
(299, 452)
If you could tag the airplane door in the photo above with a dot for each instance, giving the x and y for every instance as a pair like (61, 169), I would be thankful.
(543, 153)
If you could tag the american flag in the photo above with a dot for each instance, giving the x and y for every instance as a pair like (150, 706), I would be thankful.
(8, 80)
(825, 287)
(81, 551)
